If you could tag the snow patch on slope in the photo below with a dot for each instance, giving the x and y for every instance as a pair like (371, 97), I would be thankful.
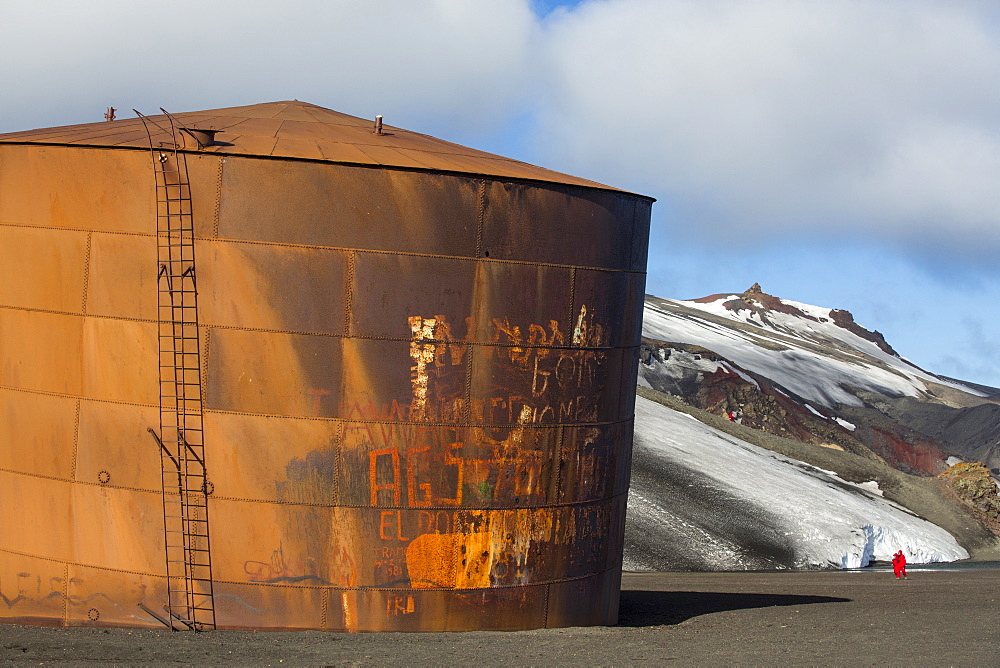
(827, 521)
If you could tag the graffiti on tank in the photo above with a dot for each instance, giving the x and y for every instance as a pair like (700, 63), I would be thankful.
(422, 467)
(390, 564)
(400, 605)
(279, 568)
(541, 378)
(36, 592)
(556, 375)
(459, 506)
(542, 375)
(311, 552)
(317, 399)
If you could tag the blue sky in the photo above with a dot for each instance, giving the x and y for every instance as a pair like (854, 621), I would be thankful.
(841, 153)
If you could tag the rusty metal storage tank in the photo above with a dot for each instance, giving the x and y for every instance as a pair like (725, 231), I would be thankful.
(298, 373)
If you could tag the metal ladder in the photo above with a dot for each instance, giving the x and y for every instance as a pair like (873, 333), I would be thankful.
(185, 485)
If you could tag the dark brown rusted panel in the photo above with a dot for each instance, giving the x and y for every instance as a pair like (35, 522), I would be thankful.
(348, 207)
(640, 237)
(518, 385)
(522, 302)
(601, 593)
(297, 289)
(391, 289)
(273, 373)
(601, 221)
(418, 386)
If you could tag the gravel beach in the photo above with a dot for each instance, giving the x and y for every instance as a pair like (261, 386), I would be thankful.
(816, 618)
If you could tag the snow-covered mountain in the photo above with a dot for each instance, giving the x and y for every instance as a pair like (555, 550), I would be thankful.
(816, 375)
(775, 384)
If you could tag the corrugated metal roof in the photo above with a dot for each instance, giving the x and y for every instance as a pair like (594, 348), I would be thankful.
(300, 130)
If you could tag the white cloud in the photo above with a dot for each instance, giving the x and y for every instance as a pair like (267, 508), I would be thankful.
(456, 61)
(870, 118)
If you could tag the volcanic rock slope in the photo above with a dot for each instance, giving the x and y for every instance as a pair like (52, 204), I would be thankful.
(773, 434)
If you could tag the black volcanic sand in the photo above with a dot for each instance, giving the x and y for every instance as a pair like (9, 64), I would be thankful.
(815, 618)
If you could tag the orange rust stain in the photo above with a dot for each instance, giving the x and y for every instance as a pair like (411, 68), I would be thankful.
(432, 560)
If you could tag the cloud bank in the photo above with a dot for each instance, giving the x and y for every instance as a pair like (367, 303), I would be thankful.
(776, 118)
(767, 118)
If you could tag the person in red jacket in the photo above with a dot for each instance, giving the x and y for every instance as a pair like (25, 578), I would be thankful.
(899, 565)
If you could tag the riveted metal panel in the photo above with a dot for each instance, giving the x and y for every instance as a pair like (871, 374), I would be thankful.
(80, 188)
(119, 360)
(390, 289)
(20, 521)
(119, 282)
(102, 597)
(348, 207)
(36, 429)
(263, 286)
(601, 593)
(520, 384)
(539, 223)
(274, 607)
(56, 341)
(114, 527)
(33, 589)
(523, 303)
(46, 272)
(248, 464)
(113, 447)
(273, 373)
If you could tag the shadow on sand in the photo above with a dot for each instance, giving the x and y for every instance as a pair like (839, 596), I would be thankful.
(656, 608)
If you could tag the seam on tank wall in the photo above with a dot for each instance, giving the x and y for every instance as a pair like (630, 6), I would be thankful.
(363, 337)
(86, 273)
(480, 218)
(322, 247)
(435, 256)
(411, 590)
(220, 411)
(588, 187)
(324, 605)
(65, 395)
(545, 614)
(412, 423)
(349, 292)
(287, 586)
(318, 505)
(76, 438)
(467, 390)
(404, 339)
(203, 372)
(61, 228)
(65, 591)
(476, 509)
(218, 198)
(72, 481)
(572, 302)
(80, 565)
(338, 463)
(76, 314)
